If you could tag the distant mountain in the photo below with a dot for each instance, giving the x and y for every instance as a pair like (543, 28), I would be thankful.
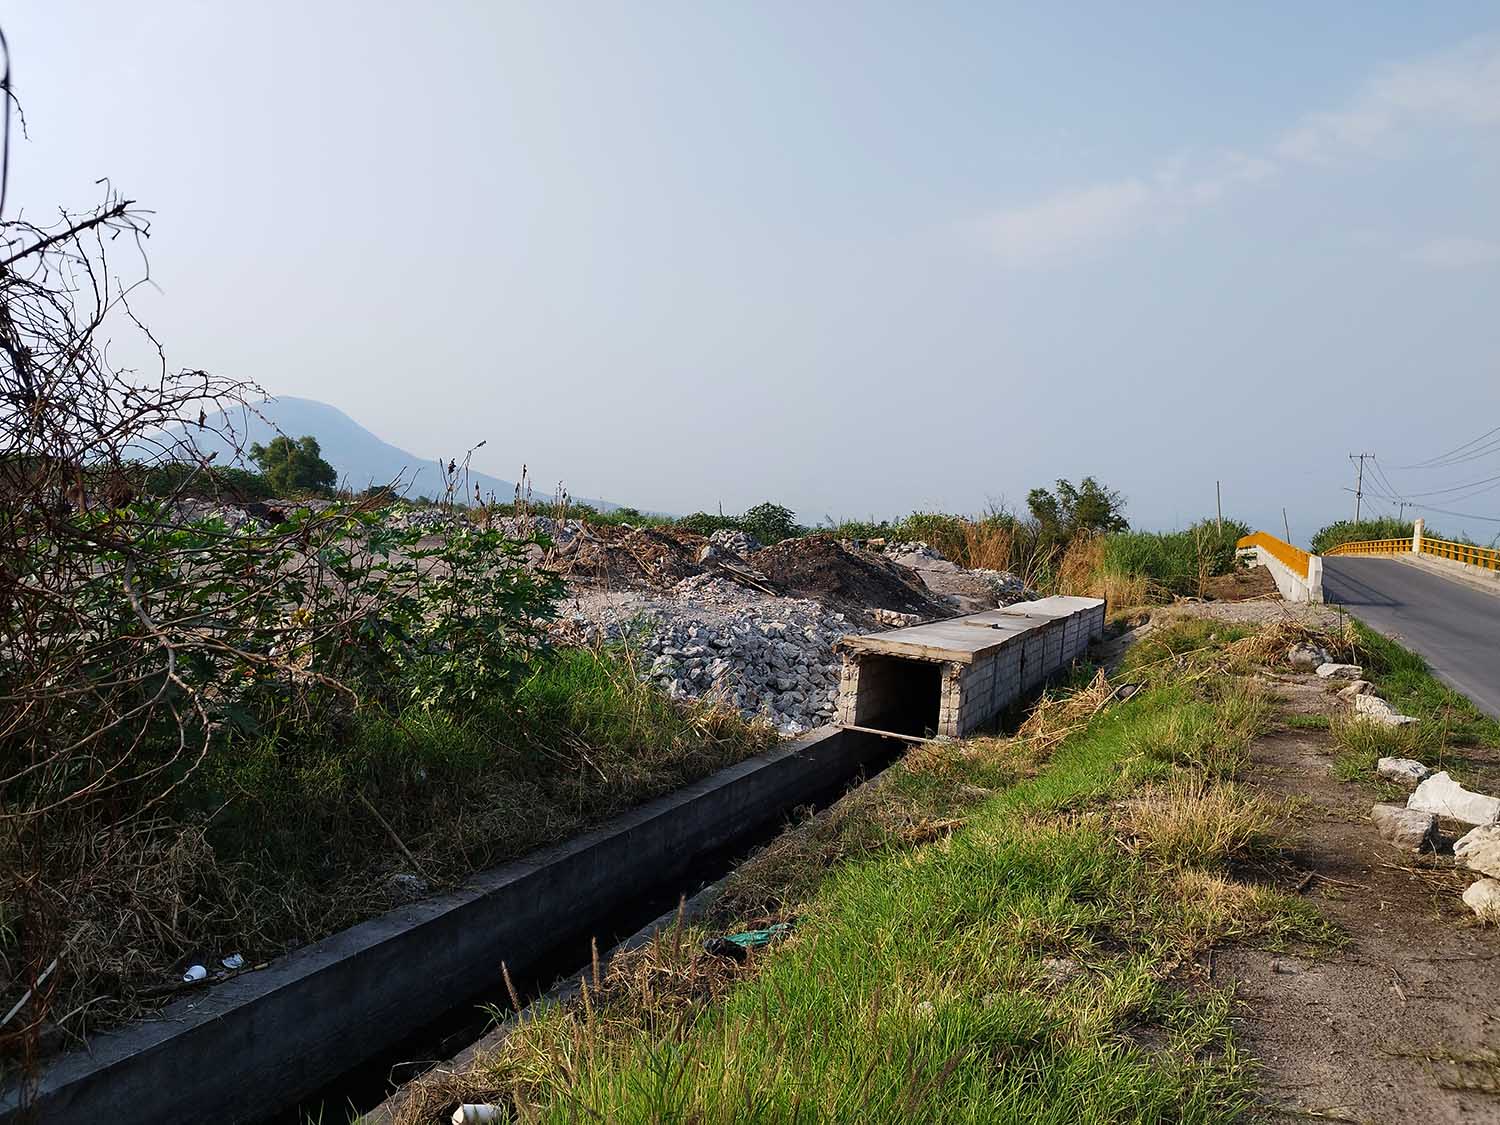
(361, 458)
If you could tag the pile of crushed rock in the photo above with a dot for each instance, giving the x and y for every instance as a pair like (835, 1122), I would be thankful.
(773, 660)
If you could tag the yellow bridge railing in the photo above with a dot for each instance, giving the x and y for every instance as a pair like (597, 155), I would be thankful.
(1462, 552)
(1294, 558)
(1373, 547)
(1482, 557)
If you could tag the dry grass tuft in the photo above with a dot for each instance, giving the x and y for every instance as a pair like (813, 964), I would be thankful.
(1055, 717)
(1079, 571)
(986, 544)
(1188, 822)
(1269, 644)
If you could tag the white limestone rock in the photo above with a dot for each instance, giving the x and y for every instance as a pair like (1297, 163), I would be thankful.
(1407, 829)
(1483, 898)
(1407, 770)
(1441, 795)
(1377, 710)
(1358, 687)
(1340, 671)
(1479, 850)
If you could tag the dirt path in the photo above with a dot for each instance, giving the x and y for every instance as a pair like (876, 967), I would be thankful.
(1403, 1023)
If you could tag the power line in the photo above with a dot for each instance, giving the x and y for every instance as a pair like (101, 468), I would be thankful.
(1489, 449)
(1457, 515)
(1391, 493)
(1456, 487)
(1432, 462)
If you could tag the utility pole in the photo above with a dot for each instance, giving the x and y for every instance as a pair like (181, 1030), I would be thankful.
(1219, 504)
(1285, 526)
(1359, 481)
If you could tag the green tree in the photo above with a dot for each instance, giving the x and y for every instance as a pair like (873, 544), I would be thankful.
(1088, 507)
(294, 466)
(770, 523)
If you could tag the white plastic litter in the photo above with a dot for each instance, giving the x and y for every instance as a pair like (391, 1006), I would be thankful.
(194, 974)
(233, 961)
(465, 1114)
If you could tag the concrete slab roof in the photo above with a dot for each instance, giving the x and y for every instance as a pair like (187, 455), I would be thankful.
(952, 640)
(1059, 605)
(962, 640)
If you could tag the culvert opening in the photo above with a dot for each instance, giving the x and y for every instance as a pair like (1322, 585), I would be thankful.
(900, 696)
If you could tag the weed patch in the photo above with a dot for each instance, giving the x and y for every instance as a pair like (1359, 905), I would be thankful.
(1190, 823)
(1403, 677)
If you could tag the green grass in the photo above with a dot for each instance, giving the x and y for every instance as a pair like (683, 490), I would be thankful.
(1175, 560)
(581, 739)
(1404, 679)
(1360, 744)
(1451, 733)
(924, 983)
(1193, 635)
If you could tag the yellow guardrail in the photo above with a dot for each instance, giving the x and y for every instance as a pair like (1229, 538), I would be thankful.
(1462, 552)
(1467, 553)
(1294, 558)
(1373, 547)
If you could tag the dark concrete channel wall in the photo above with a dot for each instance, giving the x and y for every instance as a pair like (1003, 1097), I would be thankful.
(244, 1050)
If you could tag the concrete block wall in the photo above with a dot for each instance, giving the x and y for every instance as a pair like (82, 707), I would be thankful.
(1052, 647)
(986, 687)
(1033, 666)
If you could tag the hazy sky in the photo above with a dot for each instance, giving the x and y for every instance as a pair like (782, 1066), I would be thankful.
(856, 258)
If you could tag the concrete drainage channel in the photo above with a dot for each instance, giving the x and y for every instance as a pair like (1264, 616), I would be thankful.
(251, 1047)
(254, 1046)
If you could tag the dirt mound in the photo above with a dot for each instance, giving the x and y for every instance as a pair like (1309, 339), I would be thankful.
(823, 568)
(618, 556)
(1241, 585)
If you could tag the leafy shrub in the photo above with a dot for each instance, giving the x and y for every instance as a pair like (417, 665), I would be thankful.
(469, 618)
(1089, 507)
(858, 529)
(770, 523)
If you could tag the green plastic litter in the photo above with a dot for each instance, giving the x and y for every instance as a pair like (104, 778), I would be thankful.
(754, 939)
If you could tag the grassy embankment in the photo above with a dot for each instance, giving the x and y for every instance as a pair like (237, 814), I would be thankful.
(1452, 733)
(1002, 930)
(438, 794)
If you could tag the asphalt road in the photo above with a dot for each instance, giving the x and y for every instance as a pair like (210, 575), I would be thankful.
(1456, 627)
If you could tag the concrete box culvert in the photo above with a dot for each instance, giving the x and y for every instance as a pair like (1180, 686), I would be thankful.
(255, 1045)
(965, 670)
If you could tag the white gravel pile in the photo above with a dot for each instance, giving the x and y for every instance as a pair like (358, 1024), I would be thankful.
(770, 657)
